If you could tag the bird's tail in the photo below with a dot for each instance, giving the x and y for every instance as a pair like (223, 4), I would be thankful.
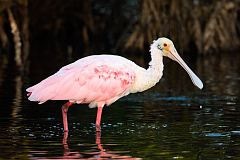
(43, 91)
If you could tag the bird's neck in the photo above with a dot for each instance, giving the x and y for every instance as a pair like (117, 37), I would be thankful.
(154, 73)
(156, 63)
(155, 69)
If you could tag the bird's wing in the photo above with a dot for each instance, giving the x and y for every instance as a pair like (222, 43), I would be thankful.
(97, 80)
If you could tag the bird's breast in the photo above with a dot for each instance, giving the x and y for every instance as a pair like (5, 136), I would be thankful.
(145, 79)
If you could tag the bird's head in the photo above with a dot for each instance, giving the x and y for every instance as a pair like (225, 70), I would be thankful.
(166, 47)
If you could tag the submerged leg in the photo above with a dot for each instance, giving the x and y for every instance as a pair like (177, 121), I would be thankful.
(98, 119)
(64, 115)
(64, 141)
(98, 141)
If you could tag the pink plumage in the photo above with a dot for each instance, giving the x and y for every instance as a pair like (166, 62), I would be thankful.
(91, 80)
(102, 79)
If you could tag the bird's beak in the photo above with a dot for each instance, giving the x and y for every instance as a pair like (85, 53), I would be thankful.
(173, 54)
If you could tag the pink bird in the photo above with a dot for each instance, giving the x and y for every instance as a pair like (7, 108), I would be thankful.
(100, 80)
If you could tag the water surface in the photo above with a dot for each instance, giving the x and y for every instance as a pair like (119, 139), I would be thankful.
(173, 120)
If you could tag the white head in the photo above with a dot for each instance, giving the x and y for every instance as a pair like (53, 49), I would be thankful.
(166, 47)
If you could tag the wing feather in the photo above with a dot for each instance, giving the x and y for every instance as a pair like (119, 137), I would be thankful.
(88, 80)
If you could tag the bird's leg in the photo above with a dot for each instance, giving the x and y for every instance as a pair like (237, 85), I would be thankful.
(64, 141)
(98, 141)
(64, 115)
(98, 119)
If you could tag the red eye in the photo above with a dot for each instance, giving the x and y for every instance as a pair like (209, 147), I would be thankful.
(165, 44)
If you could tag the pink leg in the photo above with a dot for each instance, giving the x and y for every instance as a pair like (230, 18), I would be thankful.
(98, 141)
(64, 115)
(65, 137)
(98, 119)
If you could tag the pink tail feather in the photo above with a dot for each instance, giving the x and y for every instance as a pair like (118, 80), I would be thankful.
(29, 94)
(48, 88)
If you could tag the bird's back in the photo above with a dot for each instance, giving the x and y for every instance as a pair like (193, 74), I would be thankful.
(93, 79)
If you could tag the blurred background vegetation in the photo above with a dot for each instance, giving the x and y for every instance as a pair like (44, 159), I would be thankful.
(79, 28)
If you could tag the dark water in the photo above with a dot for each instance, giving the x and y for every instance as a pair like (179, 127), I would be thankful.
(174, 120)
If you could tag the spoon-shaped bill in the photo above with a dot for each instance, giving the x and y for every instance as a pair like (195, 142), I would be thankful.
(174, 55)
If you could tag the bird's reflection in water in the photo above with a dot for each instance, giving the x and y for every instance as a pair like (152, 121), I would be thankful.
(101, 153)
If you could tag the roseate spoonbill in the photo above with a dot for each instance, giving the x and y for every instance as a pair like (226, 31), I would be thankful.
(102, 79)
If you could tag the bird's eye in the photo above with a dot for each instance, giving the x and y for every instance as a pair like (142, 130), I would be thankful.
(159, 46)
(165, 44)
